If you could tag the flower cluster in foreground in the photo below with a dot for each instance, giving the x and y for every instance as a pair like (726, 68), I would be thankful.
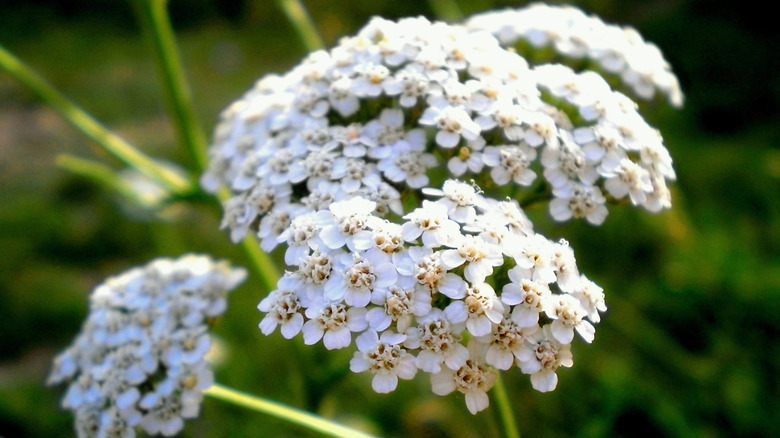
(459, 267)
(139, 359)
(356, 163)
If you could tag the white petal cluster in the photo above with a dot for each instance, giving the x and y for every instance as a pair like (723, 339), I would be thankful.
(374, 115)
(139, 358)
(618, 50)
(332, 162)
(410, 293)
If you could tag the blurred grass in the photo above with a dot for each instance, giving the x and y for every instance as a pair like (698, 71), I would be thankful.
(688, 346)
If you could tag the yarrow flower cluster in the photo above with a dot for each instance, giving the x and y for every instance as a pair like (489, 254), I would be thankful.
(460, 266)
(572, 33)
(348, 161)
(139, 358)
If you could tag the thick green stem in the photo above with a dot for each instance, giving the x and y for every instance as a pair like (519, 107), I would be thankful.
(299, 17)
(505, 409)
(157, 24)
(90, 127)
(278, 410)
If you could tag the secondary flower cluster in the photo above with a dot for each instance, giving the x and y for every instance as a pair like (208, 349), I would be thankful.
(460, 266)
(617, 50)
(139, 359)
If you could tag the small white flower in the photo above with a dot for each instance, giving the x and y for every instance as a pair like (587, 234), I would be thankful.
(388, 236)
(566, 165)
(274, 224)
(542, 130)
(460, 199)
(283, 307)
(591, 298)
(480, 309)
(631, 179)
(548, 355)
(166, 410)
(508, 342)
(115, 423)
(473, 379)
(426, 267)
(370, 80)
(346, 224)
(432, 222)
(333, 323)
(534, 256)
(527, 297)
(187, 346)
(409, 84)
(398, 303)
(566, 272)
(453, 123)
(355, 173)
(406, 164)
(301, 236)
(342, 98)
(510, 163)
(567, 313)
(357, 275)
(579, 201)
(238, 217)
(481, 257)
(385, 358)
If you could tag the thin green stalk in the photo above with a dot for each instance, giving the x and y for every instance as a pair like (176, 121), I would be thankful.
(90, 127)
(157, 24)
(446, 10)
(262, 263)
(278, 410)
(93, 170)
(301, 20)
(505, 409)
(261, 260)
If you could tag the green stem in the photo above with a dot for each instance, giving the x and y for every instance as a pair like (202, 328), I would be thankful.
(446, 10)
(157, 24)
(278, 410)
(90, 127)
(505, 408)
(301, 20)
(93, 170)
(261, 261)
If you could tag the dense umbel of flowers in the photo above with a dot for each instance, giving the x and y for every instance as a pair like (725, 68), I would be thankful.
(572, 33)
(356, 163)
(139, 358)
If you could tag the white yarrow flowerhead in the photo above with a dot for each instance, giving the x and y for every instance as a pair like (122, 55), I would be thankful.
(146, 369)
(348, 163)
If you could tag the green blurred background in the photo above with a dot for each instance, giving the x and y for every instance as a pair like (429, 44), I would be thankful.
(689, 346)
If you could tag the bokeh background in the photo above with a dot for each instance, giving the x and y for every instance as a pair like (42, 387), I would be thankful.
(689, 346)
